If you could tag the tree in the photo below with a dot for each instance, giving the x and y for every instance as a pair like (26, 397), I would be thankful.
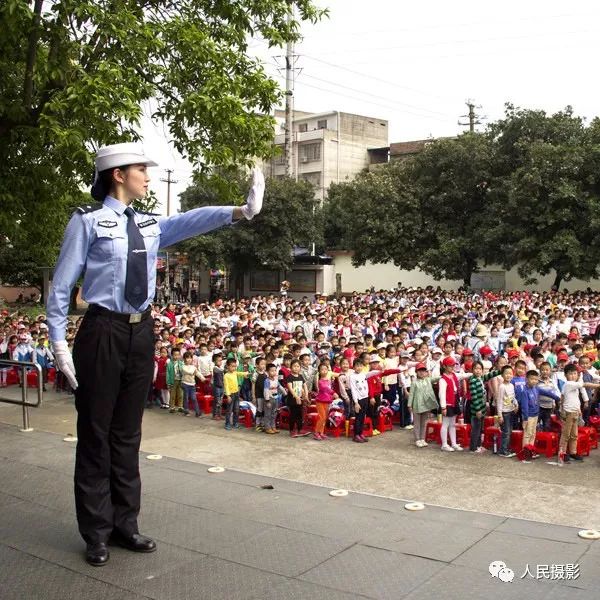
(76, 74)
(547, 185)
(426, 213)
(290, 218)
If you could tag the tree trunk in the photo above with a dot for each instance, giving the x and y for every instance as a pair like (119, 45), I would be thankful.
(32, 45)
(557, 280)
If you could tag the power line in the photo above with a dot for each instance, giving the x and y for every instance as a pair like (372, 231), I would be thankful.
(536, 18)
(419, 45)
(374, 78)
(377, 96)
(387, 106)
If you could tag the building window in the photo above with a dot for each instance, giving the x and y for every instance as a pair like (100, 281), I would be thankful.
(264, 281)
(310, 152)
(279, 158)
(322, 124)
(303, 127)
(302, 281)
(313, 178)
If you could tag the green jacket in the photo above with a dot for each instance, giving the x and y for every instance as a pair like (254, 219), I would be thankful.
(171, 371)
(421, 397)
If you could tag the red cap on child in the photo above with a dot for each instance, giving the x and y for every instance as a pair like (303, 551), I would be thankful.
(448, 362)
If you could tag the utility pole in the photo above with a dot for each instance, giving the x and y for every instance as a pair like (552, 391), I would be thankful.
(168, 181)
(472, 116)
(289, 102)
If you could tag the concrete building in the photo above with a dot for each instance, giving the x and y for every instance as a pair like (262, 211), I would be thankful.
(327, 147)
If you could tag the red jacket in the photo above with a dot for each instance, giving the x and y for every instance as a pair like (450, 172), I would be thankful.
(376, 385)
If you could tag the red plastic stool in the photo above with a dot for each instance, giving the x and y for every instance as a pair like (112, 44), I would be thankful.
(246, 418)
(312, 418)
(488, 422)
(546, 442)
(516, 440)
(384, 423)
(555, 424)
(12, 378)
(396, 417)
(336, 431)
(367, 428)
(282, 420)
(489, 433)
(463, 434)
(205, 402)
(432, 432)
(32, 379)
(51, 375)
(592, 434)
(583, 443)
(595, 422)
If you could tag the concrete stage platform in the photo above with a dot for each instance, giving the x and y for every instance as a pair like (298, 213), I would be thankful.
(222, 536)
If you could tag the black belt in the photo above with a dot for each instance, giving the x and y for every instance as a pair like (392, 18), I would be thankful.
(94, 309)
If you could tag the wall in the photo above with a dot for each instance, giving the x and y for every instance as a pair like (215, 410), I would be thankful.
(386, 276)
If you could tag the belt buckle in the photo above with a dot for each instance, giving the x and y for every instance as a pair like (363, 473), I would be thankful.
(135, 317)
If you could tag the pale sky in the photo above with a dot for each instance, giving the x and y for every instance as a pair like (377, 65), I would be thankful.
(416, 63)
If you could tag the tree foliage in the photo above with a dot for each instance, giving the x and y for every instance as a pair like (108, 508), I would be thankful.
(290, 218)
(76, 74)
(524, 193)
(423, 213)
(547, 194)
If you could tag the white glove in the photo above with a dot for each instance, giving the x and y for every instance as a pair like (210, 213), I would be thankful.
(64, 362)
(254, 200)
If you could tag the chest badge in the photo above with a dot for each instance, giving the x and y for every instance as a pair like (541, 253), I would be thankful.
(107, 223)
(147, 222)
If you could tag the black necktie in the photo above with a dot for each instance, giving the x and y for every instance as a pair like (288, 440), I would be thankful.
(136, 280)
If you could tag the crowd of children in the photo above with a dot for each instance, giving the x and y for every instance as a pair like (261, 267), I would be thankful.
(520, 356)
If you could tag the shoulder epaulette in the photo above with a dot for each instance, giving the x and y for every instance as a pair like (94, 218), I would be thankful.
(88, 208)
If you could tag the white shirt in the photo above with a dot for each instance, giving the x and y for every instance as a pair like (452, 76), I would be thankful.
(570, 392)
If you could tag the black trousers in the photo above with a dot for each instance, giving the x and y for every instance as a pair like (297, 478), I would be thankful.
(114, 365)
(295, 416)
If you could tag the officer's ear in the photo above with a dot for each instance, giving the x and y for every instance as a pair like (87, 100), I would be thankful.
(119, 175)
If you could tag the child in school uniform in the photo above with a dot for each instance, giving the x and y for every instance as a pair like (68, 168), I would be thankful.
(570, 413)
(217, 385)
(324, 397)
(421, 401)
(449, 393)
(478, 403)
(174, 376)
(272, 391)
(188, 384)
(506, 405)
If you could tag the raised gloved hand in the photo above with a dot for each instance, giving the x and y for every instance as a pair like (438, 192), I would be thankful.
(64, 362)
(254, 200)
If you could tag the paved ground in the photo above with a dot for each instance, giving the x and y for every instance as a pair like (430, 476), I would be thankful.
(223, 536)
(389, 465)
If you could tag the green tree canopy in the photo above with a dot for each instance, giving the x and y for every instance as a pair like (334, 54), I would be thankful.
(75, 74)
(426, 213)
(290, 218)
(546, 194)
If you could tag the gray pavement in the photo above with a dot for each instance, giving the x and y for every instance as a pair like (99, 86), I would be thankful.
(389, 465)
(224, 536)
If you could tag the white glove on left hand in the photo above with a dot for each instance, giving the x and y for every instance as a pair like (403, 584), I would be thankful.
(254, 200)
(64, 362)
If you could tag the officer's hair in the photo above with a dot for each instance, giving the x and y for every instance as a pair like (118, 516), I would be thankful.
(102, 186)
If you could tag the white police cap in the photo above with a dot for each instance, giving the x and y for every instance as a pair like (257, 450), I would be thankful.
(119, 155)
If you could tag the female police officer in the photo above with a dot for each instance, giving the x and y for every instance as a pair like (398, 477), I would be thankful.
(115, 248)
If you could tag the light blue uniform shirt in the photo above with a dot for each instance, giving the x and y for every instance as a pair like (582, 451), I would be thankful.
(96, 244)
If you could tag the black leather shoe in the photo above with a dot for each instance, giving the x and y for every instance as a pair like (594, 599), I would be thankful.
(135, 542)
(97, 554)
